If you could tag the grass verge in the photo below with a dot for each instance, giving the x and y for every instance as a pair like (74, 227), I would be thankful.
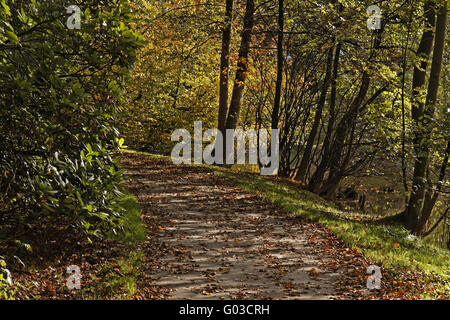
(117, 279)
(134, 228)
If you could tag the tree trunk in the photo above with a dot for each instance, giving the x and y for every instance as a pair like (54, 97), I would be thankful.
(225, 66)
(317, 178)
(413, 209)
(280, 60)
(346, 126)
(336, 165)
(430, 200)
(242, 67)
(317, 118)
(421, 164)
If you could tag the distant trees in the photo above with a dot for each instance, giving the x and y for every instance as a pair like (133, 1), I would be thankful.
(177, 72)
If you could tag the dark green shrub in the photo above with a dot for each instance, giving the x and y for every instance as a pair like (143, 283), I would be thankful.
(60, 91)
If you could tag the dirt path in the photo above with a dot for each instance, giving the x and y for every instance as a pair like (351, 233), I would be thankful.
(221, 243)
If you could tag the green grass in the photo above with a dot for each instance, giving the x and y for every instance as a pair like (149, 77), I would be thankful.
(134, 228)
(390, 245)
(118, 279)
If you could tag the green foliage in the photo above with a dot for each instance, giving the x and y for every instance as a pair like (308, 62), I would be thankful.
(119, 278)
(60, 91)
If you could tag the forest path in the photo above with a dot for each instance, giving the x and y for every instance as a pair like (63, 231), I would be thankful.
(219, 242)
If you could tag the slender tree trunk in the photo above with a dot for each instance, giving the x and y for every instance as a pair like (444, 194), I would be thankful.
(225, 66)
(317, 178)
(242, 67)
(413, 209)
(423, 53)
(421, 164)
(404, 68)
(317, 118)
(280, 63)
(346, 126)
(448, 242)
(430, 200)
(336, 165)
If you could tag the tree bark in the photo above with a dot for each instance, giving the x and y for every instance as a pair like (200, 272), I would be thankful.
(225, 66)
(317, 118)
(417, 202)
(242, 66)
(317, 178)
(280, 63)
(414, 207)
(430, 200)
